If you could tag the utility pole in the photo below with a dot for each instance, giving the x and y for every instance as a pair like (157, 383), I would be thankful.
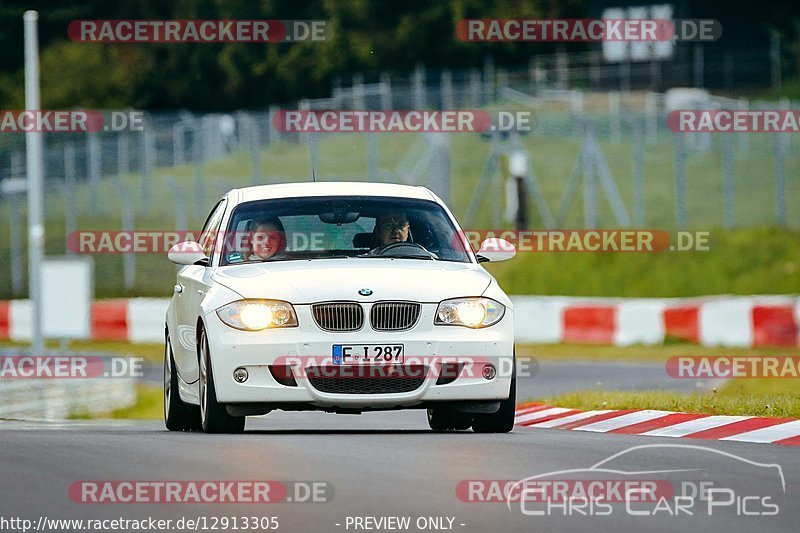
(33, 146)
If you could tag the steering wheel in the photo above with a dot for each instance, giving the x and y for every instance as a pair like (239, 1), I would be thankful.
(410, 247)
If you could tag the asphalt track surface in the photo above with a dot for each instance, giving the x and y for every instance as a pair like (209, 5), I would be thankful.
(557, 377)
(390, 464)
(379, 465)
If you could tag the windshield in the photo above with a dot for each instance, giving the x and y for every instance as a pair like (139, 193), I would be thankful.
(340, 227)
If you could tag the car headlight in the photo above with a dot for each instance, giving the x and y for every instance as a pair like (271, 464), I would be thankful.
(469, 312)
(255, 315)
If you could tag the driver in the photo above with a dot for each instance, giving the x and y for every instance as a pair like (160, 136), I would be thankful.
(393, 228)
(390, 228)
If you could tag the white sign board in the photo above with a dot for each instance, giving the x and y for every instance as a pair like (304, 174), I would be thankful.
(67, 292)
(616, 51)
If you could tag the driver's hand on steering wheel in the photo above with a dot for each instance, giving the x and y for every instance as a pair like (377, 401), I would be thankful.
(395, 246)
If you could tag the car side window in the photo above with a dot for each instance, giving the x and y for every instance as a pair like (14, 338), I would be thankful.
(211, 228)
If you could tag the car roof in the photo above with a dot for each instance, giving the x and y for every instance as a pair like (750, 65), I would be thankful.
(333, 188)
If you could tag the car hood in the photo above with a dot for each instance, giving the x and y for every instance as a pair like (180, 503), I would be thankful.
(301, 282)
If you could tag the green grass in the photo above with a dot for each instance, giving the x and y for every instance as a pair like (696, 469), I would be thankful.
(790, 89)
(757, 261)
(149, 405)
(757, 397)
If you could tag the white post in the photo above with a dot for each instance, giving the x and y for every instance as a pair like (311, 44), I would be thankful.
(33, 146)
(386, 91)
(651, 117)
(615, 116)
(744, 138)
(359, 102)
(576, 101)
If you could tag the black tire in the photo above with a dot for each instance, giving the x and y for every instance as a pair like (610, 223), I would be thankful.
(443, 419)
(214, 416)
(178, 415)
(503, 420)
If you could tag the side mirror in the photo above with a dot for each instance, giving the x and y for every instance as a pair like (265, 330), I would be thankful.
(495, 249)
(187, 253)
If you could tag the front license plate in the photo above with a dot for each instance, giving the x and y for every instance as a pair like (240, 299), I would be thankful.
(367, 354)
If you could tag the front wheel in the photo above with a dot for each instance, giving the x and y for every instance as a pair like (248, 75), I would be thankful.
(503, 420)
(178, 415)
(214, 416)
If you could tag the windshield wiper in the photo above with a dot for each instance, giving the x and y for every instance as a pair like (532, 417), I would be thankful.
(281, 259)
(407, 257)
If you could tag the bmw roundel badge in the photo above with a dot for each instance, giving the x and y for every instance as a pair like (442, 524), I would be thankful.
(365, 292)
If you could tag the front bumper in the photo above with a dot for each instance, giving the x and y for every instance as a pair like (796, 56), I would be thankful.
(308, 345)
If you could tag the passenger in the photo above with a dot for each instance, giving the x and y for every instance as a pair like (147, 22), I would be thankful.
(268, 239)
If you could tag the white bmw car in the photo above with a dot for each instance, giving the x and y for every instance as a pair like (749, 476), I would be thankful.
(340, 297)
